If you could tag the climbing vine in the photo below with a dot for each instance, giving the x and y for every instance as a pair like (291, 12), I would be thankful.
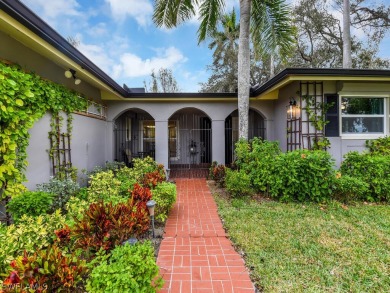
(316, 112)
(24, 99)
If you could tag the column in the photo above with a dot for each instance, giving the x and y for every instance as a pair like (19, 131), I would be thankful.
(218, 141)
(162, 143)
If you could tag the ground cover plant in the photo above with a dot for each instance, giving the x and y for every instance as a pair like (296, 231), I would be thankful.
(309, 247)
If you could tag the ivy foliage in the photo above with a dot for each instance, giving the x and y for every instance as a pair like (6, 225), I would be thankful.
(24, 98)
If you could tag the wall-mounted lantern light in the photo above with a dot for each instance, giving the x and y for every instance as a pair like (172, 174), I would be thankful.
(292, 109)
(72, 73)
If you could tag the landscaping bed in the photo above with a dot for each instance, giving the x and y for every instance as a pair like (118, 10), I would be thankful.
(70, 239)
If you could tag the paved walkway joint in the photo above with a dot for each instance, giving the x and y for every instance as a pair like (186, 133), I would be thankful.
(195, 255)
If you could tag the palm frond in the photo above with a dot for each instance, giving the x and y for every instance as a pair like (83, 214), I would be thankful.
(271, 27)
(209, 14)
(171, 13)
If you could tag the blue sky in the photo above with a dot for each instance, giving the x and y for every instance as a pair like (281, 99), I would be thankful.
(120, 37)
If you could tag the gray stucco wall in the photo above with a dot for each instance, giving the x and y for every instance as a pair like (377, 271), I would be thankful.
(16, 52)
(88, 146)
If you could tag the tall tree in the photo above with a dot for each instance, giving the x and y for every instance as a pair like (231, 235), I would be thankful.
(162, 82)
(265, 20)
(347, 52)
(224, 43)
(320, 34)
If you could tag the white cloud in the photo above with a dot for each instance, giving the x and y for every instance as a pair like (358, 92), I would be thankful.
(98, 30)
(134, 66)
(52, 9)
(140, 10)
(97, 55)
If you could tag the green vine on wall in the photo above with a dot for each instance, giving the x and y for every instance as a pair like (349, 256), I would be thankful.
(24, 99)
(316, 112)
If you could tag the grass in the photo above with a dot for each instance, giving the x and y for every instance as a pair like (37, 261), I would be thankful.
(309, 247)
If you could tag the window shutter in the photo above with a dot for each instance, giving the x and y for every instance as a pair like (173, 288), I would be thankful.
(332, 115)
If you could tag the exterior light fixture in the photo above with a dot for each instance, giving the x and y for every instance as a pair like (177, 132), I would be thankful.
(150, 205)
(193, 147)
(292, 109)
(72, 73)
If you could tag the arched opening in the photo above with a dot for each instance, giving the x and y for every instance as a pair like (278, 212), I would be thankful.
(189, 133)
(134, 134)
(256, 128)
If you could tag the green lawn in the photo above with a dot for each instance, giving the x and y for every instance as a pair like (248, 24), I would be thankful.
(311, 248)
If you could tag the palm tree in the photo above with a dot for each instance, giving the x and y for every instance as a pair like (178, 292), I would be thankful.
(266, 20)
(224, 42)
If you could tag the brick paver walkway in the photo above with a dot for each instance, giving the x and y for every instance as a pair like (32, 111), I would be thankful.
(195, 255)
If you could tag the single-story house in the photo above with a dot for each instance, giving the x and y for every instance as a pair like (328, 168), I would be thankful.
(186, 130)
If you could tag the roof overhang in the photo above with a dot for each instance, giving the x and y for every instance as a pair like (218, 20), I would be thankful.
(270, 89)
(20, 23)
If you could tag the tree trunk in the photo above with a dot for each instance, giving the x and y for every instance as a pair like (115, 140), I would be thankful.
(244, 69)
(271, 66)
(347, 59)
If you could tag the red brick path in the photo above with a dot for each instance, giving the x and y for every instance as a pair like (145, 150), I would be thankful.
(195, 255)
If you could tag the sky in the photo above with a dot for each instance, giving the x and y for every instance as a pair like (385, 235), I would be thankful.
(120, 37)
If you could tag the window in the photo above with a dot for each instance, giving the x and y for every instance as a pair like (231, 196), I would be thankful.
(362, 115)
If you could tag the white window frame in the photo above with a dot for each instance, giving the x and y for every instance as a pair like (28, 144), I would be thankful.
(364, 135)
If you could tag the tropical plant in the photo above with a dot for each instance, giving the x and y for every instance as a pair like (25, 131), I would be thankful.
(372, 169)
(30, 203)
(267, 21)
(62, 189)
(30, 234)
(238, 183)
(130, 268)
(46, 270)
(105, 225)
(164, 194)
(380, 146)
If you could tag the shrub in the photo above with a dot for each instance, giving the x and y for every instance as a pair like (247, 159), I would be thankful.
(30, 234)
(129, 269)
(61, 189)
(152, 179)
(31, 203)
(372, 169)
(380, 146)
(219, 174)
(211, 170)
(165, 196)
(45, 270)
(256, 159)
(103, 185)
(238, 183)
(105, 225)
(302, 175)
(347, 188)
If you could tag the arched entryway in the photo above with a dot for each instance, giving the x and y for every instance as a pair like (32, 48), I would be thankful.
(189, 131)
(256, 128)
(134, 134)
